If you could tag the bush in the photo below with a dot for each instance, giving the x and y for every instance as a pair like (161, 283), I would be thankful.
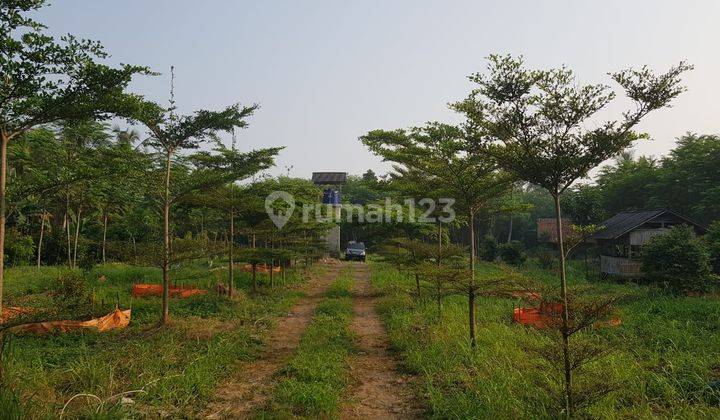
(677, 258)
(512, 253)
(712, 239)
(19, 248)
(488, 248)
(71, 295)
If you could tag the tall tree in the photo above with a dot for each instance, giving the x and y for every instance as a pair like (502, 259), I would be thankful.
(537, 125)
(171, 134)
(44, 81)
(437, 151)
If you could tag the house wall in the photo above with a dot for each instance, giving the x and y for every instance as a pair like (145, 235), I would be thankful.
(618, 266)
(640, 236)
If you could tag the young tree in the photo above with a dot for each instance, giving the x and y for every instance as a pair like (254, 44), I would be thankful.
(438, 152)
(171, 134)
(228, 197)
(538, 125)
(44, 81)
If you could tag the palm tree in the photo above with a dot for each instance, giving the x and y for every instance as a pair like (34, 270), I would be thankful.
(127, 135)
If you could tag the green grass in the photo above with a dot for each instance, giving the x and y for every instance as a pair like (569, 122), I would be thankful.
(314, 381)
(666, 353)
(173, 370)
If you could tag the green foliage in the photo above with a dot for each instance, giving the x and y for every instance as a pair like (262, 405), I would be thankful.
(583, 204)
(512, 253)
(488, 250)
(712, 238)
(511, 101)
(630, 184)
(10, 405)
(434, 159)
(677, 258)
(19, 248)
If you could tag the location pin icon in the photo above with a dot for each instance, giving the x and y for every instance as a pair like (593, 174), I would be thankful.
(281, 216)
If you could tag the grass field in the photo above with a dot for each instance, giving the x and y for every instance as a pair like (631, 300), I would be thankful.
(666, 354)
(140, 370)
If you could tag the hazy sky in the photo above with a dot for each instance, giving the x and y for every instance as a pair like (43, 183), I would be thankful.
(326, 72)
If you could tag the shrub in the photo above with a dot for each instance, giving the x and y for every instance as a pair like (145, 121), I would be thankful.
(512, 253)
(19, 248)
(488, 250)
(712, 239)
(71, 295)
(677, 258)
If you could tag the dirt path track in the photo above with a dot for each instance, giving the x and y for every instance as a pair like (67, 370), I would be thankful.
(379, 390)
(251, 384)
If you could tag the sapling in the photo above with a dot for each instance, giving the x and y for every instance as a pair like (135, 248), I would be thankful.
(541, 126)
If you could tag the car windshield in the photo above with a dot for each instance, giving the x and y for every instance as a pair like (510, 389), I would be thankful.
(356, 245)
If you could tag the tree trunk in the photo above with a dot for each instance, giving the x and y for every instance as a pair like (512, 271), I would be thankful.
(77, 235)
(565, 313)
(40, 240)
(254, 277)
(166, 243)
(471, 318)
(417, 284)
(231, 268)
(272, 266)
(104, 240)
(471, 295)
(132, 239)
(439, 242)
(3, 179)
(510, 228)
(67, 230)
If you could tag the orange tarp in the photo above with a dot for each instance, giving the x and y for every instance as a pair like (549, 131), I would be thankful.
(542, 316)
(261, 268)
(537, 317)
(140, 290)
(10, 312)
(115, 320)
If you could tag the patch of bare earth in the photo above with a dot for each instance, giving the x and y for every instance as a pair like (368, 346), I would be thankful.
(252, 382)
(379, 390)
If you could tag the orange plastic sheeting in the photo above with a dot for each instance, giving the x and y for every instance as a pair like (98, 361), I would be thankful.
(538, 317)
(261, 268)
(542, 316)
(10, 312)
(115, 320)
(140, 290)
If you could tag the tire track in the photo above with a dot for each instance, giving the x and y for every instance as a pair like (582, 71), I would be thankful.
(252, 383)
(379, 390)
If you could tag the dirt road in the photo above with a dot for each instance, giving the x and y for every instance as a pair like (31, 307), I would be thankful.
(252, 383)
(379, 391)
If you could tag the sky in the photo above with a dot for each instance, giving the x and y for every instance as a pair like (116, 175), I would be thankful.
(327, 72)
